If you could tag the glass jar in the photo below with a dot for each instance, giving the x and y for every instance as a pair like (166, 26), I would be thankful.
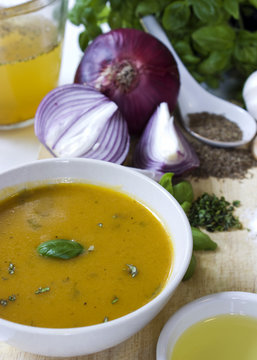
(31, 38)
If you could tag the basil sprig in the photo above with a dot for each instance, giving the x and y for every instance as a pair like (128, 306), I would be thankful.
(60, 248)
(183, 193)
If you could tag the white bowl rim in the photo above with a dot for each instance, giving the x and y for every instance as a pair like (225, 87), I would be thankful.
(170, 325)
(144, 308)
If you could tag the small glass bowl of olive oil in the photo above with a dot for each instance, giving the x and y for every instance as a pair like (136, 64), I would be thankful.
(31, 37)
(220, 326)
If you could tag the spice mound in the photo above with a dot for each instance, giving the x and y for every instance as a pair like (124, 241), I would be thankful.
(222, 163)
(214, 127)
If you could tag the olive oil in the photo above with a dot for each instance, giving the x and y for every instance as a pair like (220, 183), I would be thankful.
(223, 337)
(30, 56)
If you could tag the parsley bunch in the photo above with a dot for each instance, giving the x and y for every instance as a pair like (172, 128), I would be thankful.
(211, 37)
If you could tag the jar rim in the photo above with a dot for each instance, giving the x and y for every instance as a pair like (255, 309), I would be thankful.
(24, 8)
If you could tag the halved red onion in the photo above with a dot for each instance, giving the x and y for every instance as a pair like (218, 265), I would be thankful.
(78, 121)
(163, 147)
(133, 69)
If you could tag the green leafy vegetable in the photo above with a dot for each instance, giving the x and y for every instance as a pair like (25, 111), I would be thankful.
(191, 268)
(217, 36)
(41, 290)
(186, 206)
(202, 241)
(183, 191)
(166, 182)
(213, 213)
(60, 248)
(115, 299)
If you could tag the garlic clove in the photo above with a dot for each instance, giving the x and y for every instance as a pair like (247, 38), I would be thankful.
(250, 94)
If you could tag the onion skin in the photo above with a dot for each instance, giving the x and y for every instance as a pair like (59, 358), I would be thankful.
(133, 69)
(160, 129)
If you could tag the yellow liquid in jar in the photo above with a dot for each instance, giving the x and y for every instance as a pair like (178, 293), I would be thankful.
(30, 57)
(225, 337)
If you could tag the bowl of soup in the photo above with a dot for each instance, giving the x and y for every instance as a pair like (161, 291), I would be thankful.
(218, 326)
(90, 253)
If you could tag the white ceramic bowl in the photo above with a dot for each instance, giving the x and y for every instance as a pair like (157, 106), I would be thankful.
(230, 302)
(90, 339)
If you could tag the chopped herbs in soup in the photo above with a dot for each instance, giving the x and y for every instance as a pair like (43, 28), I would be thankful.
(76, 254)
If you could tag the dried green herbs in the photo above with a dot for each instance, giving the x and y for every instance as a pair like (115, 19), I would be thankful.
(213, 213)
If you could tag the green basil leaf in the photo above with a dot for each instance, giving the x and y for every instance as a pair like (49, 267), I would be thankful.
(202, 241)
(183, 191)
(83, 40)
(215, 38)
(116, 4)
(76, 13)
(216, 62)
(191, 268)
(253, 2)
(147, 7)
(246, 47)
(114, 20)
(232, 7)
(205, 10)
(176, 15)
(166, 182)
(186, 205)
(60, 248)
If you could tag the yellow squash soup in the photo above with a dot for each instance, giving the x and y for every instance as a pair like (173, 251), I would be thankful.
(125, 262)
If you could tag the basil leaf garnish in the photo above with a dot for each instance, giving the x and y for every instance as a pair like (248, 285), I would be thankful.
(60, 248)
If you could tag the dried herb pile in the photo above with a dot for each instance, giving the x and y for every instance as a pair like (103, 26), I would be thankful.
(213, 213)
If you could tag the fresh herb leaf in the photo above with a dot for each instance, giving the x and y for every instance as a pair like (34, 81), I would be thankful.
(202, 241)
(176, 15)
(106, 319)
(183, 191)
(115, 299)
(12, 297)
(132, 270)
(186, 206)
(3, 302)
(166, 182)
(191, 268)
(41, 290)
(60, 248)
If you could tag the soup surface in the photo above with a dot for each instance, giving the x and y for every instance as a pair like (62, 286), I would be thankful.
(126, 261)
(224, 337)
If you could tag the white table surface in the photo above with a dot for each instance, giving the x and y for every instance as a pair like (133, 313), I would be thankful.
(21, 146)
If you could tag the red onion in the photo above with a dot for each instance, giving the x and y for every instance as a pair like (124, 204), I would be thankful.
(78, 121)
(162, 147)
(135, 70)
